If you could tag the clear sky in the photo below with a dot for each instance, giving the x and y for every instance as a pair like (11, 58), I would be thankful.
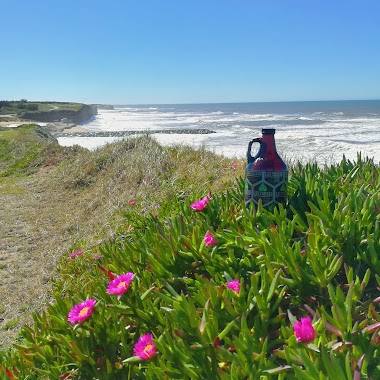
(189, 51)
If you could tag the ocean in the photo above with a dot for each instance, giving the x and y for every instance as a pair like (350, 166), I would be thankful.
(319, 131)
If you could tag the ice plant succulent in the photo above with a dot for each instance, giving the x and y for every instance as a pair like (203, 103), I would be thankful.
(145, 348)
(304, 330)
(209, 239)
(200, 204)
(120, 284)
(234, 285)
(81, 311)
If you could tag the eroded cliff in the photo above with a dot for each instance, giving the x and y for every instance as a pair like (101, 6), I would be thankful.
(86, 112)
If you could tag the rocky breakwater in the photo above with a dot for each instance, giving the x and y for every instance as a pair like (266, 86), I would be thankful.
(86, 112)
(197, 131)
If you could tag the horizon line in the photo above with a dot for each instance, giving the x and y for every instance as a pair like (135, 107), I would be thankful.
(241, 102)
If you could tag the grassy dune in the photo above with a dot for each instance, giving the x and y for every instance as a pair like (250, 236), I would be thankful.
(53, 199)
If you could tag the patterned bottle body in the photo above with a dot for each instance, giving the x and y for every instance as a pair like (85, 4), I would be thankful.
(266, 174)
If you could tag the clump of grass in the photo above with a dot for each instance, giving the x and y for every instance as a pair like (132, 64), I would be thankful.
(141, 170)
(21, 148)
(10, 325)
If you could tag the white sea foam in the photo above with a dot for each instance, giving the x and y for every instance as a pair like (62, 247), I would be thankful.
(90, 143)
(316, 134)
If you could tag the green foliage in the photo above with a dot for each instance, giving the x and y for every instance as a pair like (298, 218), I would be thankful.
(20, 149)
(317, 257)
(20, 106)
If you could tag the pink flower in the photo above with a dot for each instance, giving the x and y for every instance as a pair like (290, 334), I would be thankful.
(234, 165)
(155, 215)
(234, 285)
(132, 203)
(76, 253)
(81, 311)
(209, 239)
(304, 330)
(120, 284)
(145, 348)
(201, 204)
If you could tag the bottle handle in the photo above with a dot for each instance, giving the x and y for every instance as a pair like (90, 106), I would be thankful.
(251, 158)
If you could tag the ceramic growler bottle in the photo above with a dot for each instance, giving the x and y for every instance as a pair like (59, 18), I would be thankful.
(266, 174)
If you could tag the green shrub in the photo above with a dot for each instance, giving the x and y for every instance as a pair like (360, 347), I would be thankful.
(317, 257)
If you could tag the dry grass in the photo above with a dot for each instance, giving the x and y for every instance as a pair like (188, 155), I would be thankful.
(73, 198)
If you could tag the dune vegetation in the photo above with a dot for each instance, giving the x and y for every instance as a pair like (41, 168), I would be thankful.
(159, 271)
(54, 198)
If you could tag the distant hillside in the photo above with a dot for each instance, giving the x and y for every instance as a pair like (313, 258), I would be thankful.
(47, 111)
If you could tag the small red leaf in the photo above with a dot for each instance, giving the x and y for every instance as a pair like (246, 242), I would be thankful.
(357, 375)
(372, 327)
(109, 274)
(333, 329)
(66, 376)
(9, 374)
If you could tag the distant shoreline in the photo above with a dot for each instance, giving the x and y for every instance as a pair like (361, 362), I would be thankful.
(53, 128)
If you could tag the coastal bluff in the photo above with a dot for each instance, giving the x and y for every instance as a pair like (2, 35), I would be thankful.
(85, 112)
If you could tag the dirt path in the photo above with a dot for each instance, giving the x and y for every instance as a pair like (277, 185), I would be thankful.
(29, 247)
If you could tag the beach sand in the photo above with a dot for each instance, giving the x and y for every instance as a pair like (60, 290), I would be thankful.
(51, 127)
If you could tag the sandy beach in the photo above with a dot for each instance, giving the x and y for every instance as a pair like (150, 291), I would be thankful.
(52, 127)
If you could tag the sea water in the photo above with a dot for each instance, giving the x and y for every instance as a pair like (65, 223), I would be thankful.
(321, 131)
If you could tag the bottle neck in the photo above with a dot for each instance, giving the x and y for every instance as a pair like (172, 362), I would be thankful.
(269, 144)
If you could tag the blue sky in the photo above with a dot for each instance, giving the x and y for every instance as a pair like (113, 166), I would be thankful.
(194, 51)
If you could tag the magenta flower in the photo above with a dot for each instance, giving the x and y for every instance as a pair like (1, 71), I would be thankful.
(155, 215)
(234, 285)
(76, 253)
(132, 203)
(81, 311)
(201, 204)
(120, 284)
(304, 330)
(145, 348)
(234, 165)
(209, 239)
